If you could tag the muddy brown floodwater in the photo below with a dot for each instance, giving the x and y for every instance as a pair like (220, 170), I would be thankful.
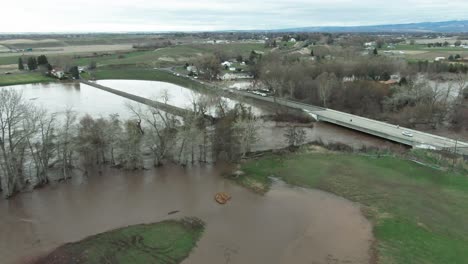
(271, 136)
(287, 225)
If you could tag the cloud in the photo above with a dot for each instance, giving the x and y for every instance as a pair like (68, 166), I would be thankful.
(178, 15)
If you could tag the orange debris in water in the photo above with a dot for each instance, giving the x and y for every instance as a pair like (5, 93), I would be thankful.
(222, 197)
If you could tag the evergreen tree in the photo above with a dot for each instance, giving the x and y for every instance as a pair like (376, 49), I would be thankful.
(32, 63)
(75, 72)
(20, 64)
(403, 81)
(375, 51)
(42, 60)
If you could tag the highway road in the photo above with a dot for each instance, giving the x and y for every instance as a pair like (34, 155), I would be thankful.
(381, 129)
(414, 138)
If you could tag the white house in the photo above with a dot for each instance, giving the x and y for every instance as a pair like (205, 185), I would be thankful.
(439, 59)
(226, 63)
(57, 73)
(191, 68)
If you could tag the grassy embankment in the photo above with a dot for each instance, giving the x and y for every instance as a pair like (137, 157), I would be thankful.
(135, 73)
(23, 78)
(419, 213)
(163, 242)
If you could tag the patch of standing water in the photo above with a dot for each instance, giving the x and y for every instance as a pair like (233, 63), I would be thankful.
(287, 225)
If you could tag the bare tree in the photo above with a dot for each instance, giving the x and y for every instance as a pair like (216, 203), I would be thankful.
(65, 142)
(246, 131)
(192, 134)
(63, 62)
(113, 134)
(294, 136)
(42, 144)
(461, 83)
(209, 67)
(130, 144)
(160, 129)
(326, 84)
(13, 140)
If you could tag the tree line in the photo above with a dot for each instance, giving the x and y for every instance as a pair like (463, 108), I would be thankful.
(357, 86)
(34, 63)
(42, 64)
(37, 147)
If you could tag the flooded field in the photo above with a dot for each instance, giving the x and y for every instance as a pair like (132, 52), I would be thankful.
(84, 99)
(287, 225)
(272, 137)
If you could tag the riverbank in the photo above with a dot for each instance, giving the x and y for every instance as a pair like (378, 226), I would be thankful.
(418, 212)
(168, 241)
(24, 78)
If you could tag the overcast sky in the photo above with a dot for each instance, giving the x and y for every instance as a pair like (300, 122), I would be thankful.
(204, 15)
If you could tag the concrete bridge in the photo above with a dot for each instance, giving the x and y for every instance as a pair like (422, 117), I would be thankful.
(162, 106)
(406, 136)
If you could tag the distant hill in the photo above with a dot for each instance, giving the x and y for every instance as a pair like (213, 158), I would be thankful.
(435, 27)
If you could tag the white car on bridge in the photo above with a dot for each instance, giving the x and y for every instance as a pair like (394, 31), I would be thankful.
(407, 133)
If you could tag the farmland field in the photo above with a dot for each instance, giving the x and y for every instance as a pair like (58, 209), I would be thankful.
(34, 77)
(422, 52)
(179, 54)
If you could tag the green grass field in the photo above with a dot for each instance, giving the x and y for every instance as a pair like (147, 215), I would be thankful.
(23, 78)
(163, 242)
(170, 56)
(10, 60)
(424, 47)
(419, 213)
(181, 54)
(422, 52)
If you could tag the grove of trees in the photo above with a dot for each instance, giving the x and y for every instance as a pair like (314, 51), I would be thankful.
(37, 147)
(356, 86)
